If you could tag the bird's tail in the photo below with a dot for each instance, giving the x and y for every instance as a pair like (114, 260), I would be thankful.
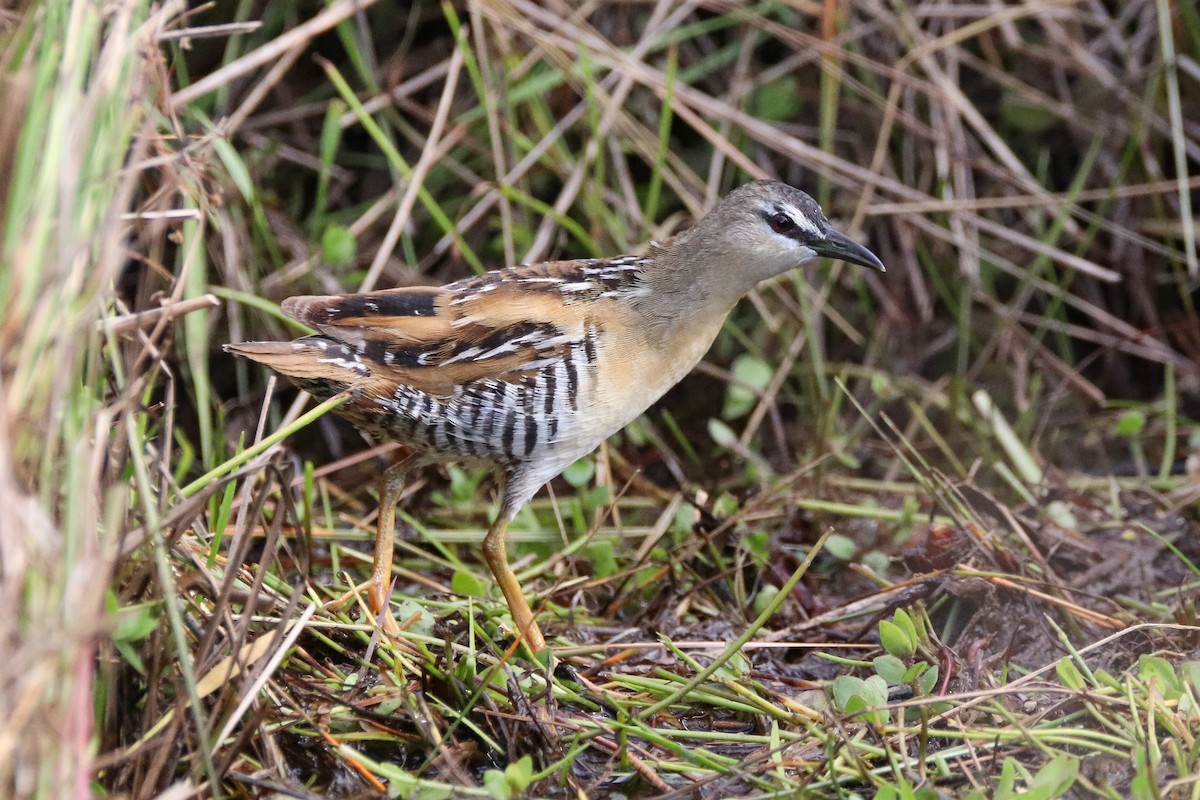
(313, 358)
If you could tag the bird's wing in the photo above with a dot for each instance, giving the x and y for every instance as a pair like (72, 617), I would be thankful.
(502, 325)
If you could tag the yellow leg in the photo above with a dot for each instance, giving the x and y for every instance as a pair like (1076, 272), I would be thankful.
(379, 585)
(495, 553)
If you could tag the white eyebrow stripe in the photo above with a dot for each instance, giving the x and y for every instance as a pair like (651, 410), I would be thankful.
(807, 225)
(801, 219)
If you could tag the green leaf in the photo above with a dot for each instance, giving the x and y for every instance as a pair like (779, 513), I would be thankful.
(601, 554)
(895, 640)
(129, 654)
(928, 681)
(840, 547)
(726, 505)
(736, 668)
(1006, 787)
(881, 385)
(876, 560)
(890, 668)
(915, 671)
(1055, 778)
(1104, 679)
(463, 484)
(135, 623)
(845, 687)
(519, 774)
(635, 432)
(580, 473)
(856, 704)
(1144, 785)
(542, 657)
(466, 583)
(1130, 424)
(751, 376)
(1190, 672)
(721, 433)
(496, 785)
(855, 696)
(422, 621)
(685, 519)
(864, 709)
(338, 245)
(1062, 515)
(466, 667)
(766, 595)
(388, 706)
(1069, 674)
(907, 624)
(756, 544)
(875, 691)
(593, 497)
(1160, 670)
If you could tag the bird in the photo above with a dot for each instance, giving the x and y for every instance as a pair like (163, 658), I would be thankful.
(527, 369)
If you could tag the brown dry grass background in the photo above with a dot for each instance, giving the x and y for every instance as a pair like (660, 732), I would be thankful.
(1000, 433)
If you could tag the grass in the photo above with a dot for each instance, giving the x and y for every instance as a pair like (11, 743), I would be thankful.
(932, 533)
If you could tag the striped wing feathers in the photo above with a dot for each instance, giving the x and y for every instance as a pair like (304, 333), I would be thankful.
(502, 325)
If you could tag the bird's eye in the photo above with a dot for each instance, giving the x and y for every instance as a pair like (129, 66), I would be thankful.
(780, 222)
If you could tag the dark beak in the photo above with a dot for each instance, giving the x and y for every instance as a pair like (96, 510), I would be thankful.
(842, 247)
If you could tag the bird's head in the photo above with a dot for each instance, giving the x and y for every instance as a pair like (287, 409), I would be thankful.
(766, 228)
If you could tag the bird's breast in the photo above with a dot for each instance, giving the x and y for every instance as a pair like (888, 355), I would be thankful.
(636, 366)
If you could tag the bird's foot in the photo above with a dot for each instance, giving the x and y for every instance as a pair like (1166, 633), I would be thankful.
(377, 603)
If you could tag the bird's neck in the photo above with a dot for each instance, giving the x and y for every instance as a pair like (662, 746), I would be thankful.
(690, 279)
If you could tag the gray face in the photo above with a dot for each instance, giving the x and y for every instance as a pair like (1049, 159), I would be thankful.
(793, 215)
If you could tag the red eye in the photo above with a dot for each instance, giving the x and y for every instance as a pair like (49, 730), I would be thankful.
(781, 223)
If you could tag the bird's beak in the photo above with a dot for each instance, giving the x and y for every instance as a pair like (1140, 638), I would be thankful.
(842, 247)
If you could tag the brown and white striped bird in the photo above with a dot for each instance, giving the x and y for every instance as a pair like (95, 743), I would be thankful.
(529, 368)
